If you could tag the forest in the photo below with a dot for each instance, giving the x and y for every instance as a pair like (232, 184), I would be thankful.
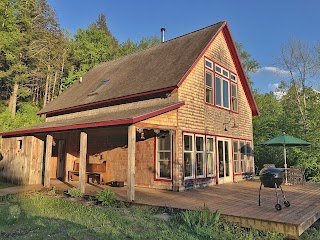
(39, 60)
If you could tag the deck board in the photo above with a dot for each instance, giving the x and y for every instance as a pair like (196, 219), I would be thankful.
(239, 202)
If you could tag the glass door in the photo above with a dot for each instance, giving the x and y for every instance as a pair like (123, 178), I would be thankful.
(224, 160)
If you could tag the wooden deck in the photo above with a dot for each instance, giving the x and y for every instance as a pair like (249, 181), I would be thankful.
(237, 202)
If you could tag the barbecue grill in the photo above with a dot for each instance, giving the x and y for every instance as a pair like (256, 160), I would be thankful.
(273, 178)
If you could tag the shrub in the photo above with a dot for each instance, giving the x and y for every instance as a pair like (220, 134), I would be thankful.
(106, 197)
(75, 192)
(201, 218)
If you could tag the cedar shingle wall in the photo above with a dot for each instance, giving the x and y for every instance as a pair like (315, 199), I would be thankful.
(196, 116)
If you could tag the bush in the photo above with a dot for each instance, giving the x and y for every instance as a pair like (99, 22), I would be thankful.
(106, 196)
(75, 193)
(201, 218)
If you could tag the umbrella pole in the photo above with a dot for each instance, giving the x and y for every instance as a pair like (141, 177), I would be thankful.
(285, 163)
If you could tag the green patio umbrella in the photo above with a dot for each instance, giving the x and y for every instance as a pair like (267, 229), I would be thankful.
(286, 140)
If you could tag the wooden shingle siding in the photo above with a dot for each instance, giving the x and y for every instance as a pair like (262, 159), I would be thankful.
(197, 116)
(166, 119)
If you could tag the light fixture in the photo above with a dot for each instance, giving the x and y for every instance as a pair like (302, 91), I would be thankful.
(140, 130)
(233, 126)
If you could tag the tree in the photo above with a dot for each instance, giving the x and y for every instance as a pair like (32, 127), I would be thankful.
(302, 62)
(249, 65)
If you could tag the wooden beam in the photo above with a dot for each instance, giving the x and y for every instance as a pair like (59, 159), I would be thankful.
(175, 165)
(131, 161)
(83, 161)
(49, 141)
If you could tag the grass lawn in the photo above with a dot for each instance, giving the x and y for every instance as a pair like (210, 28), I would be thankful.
(6, 185)
(47, 215)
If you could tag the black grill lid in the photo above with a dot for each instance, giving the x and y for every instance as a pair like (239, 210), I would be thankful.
(271, 176)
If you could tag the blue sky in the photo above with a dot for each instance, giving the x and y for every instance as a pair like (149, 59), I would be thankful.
(263, 27)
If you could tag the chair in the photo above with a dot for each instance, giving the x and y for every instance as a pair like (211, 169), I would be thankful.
(296, 175)
(269, 165)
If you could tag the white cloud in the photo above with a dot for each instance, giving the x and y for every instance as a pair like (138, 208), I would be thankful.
(274, 70)
(273, 86)
(279, 94)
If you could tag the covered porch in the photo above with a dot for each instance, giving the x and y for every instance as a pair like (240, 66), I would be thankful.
(107, 154)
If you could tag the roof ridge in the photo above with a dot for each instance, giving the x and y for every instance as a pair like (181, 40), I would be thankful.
(198, 30)
(142, 50)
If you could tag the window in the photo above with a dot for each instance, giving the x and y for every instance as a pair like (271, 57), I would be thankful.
(243, 151)
(19, 145)
(249, 157)
(164, 157)
(233, 77)
(236, 161)
(211, 163)
(221, 87)
(218, 91)
(234, 98)
(209, 88)
(208, 64)
(188, 156)
(225, 94)
(225, 73)
(200, 162)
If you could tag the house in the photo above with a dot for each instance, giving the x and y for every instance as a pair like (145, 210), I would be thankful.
(175, 116)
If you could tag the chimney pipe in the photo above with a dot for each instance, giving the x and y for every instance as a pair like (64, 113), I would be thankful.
(162, 34)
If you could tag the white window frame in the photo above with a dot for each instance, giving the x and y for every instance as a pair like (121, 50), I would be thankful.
(158, 160)
(192, 156)
(236, 152)
(210, 88)
(213, 157)
(236, 98)
(203, 175)
(223, 95)
(210, 62)
(235, 77)
(249, 167)
(243, 160)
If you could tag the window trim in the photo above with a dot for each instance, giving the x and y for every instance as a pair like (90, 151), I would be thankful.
(192, 156)
(209, 61)
(210, 88)
(232, 98)
(213, 152)
(204, 156)
(223, 78)
(157, 162)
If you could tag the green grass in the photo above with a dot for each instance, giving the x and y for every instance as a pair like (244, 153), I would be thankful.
(48, 216)
(6, 185)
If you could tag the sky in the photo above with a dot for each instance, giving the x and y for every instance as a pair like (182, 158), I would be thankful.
(262, 27)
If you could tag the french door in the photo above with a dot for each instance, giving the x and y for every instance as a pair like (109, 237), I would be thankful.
(224, 160)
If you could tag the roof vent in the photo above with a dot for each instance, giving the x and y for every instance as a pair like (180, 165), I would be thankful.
(162, 34)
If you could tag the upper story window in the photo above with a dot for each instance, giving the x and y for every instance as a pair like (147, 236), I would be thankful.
(220, 87)
(209, 64)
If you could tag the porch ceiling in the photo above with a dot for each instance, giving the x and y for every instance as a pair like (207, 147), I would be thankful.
(129, 116)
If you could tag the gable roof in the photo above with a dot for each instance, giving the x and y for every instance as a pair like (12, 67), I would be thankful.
(157, 69)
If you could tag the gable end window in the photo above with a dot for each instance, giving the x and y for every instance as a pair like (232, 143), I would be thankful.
(221, 87)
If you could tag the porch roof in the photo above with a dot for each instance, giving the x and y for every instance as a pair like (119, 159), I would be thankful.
(119, 117)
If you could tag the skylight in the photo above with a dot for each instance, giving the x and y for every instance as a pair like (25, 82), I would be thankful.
(98, 88)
